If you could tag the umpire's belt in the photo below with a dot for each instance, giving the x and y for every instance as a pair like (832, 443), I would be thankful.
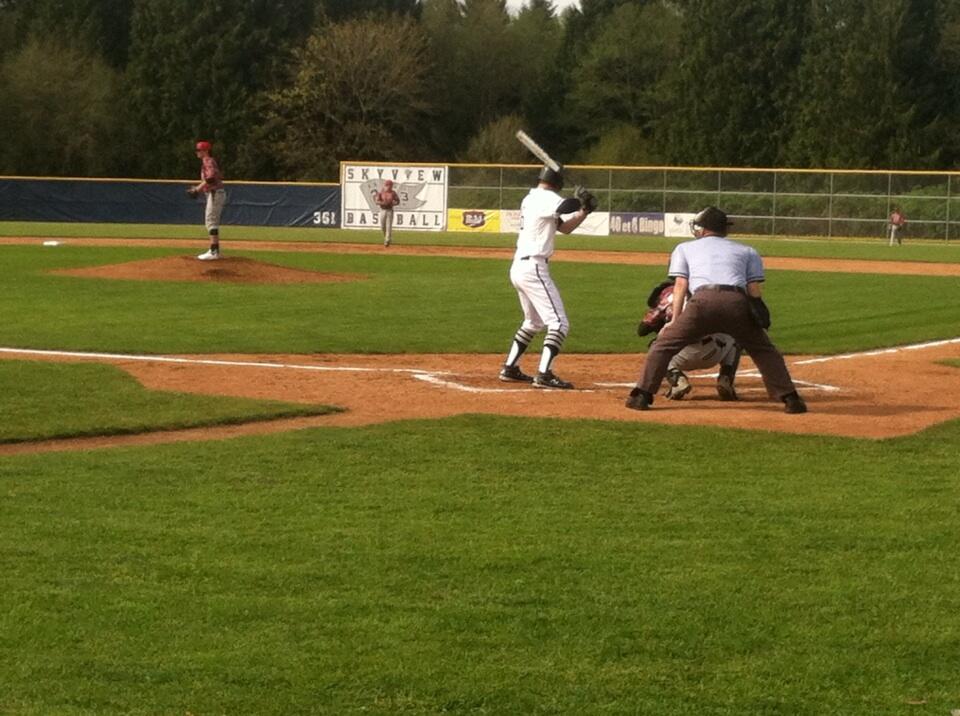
(527, 258)
(721, 287)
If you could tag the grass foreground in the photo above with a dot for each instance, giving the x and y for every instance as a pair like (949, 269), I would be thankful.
(41, 401)
(426, 567)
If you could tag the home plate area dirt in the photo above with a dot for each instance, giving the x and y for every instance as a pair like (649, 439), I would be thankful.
(848, 395)
(873, 394)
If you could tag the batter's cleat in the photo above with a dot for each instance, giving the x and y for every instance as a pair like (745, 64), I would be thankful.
(678, 386)
(549, 380)
(794, 404)
(210, 255)
(513, 374)
(386, 243)
(725, 388)
(639, 400)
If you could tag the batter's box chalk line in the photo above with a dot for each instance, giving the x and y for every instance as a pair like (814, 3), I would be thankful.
(432, 379)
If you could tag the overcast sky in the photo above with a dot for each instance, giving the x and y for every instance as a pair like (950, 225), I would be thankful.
(558, 5)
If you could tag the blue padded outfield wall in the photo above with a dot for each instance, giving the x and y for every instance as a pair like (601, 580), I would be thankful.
(164, 202)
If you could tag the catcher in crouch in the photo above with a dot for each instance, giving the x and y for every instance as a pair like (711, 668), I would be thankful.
(715, 349)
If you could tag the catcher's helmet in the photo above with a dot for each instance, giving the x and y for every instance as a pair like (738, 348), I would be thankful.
(204, 146)
(554, 178)
(711, 219)
(661, 309)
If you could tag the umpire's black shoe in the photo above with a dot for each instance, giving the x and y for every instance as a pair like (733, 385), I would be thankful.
(639, 400)
(793, 404)
(513, 374)
(549, 380)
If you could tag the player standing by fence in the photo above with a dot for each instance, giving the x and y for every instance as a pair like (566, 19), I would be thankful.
(386, 199)
(897, 221)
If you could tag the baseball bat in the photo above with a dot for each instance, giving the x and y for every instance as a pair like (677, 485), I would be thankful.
(537, 151)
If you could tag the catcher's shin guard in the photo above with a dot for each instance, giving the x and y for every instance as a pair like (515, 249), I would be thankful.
(728, 373)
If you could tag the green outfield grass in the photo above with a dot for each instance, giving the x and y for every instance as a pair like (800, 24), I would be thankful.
(475, 565)
(866, 248)
(422, 304)
(485, 565)
(64, 400)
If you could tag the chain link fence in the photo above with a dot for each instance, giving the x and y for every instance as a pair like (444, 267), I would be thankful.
(765, 202)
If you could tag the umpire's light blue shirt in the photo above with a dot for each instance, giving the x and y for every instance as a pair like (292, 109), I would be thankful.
(715, 260)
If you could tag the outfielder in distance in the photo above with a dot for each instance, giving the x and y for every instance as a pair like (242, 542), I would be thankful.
(541, 216)
(211, 185)
(386, 199)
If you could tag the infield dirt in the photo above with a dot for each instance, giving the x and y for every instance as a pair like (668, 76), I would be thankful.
(848, 395)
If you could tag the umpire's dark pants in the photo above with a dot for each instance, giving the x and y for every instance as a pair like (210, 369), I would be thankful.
(717, 311)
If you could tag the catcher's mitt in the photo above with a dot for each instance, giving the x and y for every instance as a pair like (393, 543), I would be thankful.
(193, 192)
(760, 312)
(587, 200)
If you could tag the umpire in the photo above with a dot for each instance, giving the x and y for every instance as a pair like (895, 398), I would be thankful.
(724, 277)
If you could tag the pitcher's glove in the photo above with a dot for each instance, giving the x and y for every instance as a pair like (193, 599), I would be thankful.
(587, 200)
(193, 192)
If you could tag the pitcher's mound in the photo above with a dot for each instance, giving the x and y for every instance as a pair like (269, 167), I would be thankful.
(188, 268)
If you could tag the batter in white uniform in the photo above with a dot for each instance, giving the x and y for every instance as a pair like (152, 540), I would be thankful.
(541, 216)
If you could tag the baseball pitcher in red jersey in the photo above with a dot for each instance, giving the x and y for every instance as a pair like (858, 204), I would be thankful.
(211, 186)
(386, 199)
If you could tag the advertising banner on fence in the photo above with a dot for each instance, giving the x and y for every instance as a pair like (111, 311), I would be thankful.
(422, 190)
(510, 221)
(637, 224)
(486, 221)
(678, 225)
(597, 224)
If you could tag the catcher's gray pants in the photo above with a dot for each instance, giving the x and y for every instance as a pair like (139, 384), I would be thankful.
(215, 203)
(716, 311)
(717, 348)
(386, 222)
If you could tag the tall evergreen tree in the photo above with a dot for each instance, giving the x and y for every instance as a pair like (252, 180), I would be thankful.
(948, 71)
(101, 26)
(730, 91)
(618, 82)
(338, 10)
(475, 68)
(868, 88)
(537, 34)
(195, 71)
